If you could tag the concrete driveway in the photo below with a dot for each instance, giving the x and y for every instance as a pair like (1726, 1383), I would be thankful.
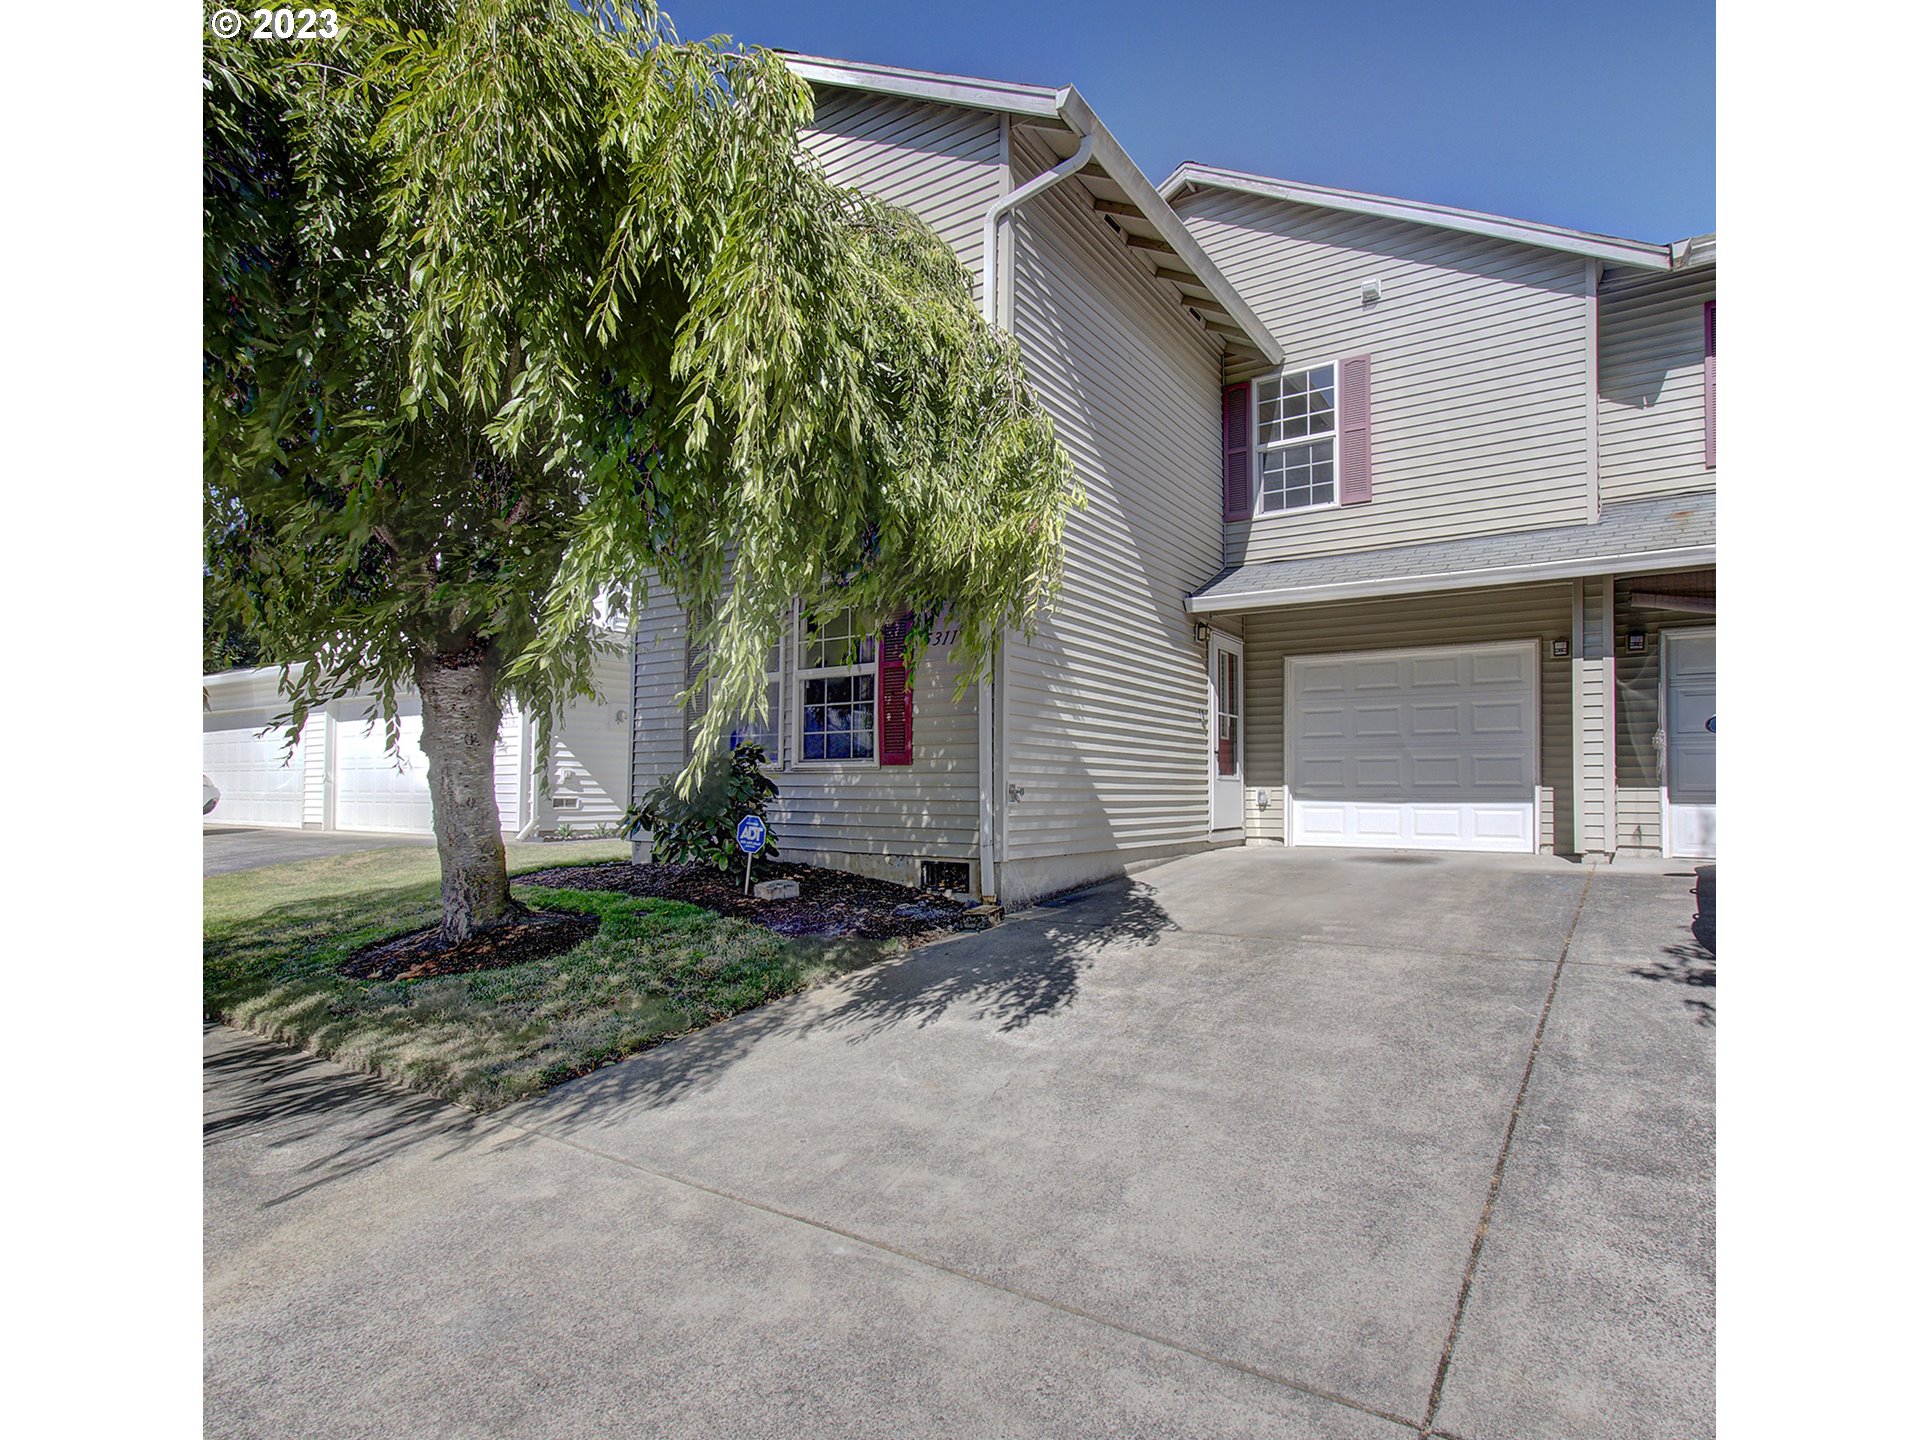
(248, 847)
(1262, 1143)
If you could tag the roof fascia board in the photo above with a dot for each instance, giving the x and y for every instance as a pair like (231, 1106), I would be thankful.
(1638, 253)
(1649, 562)
(1035, 101)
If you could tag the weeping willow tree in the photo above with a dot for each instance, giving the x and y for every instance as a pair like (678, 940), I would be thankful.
(515, 310)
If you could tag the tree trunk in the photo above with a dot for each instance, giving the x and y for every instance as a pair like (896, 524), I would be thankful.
(459, 723)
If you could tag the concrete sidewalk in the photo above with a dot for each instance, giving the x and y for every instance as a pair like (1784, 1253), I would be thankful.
(1205, 1153)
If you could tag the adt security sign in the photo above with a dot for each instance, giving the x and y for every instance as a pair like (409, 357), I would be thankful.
(751, 836)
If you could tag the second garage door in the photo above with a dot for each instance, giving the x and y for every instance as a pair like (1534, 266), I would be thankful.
(1434, 749)
(378, 789)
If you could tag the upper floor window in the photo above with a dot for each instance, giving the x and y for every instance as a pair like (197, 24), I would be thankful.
(835, 681)
(1295, 430)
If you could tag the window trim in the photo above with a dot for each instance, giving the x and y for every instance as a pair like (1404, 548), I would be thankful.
(797, 702)
(1255, 450)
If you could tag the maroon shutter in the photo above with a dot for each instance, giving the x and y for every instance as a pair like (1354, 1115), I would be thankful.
(1709, 383)
(1356, 429)
(1236, 458)
(896, 696)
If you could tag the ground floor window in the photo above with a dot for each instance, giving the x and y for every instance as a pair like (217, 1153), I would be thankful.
(836, 682)
(765, 732)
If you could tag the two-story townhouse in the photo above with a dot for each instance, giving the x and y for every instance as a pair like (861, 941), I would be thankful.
(1399, 532)
(1086, 751)
(1468, 574)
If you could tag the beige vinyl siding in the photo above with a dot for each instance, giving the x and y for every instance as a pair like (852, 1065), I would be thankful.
(1637, 705)
(1481, 380)
(1653, 430)
(1452, 617)
(1104, 709)
(1593, 697)
(659, 674)
(942, 162)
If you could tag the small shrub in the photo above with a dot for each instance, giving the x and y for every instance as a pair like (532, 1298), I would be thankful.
(701, 829)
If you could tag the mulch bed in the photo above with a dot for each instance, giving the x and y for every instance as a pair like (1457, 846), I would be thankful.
(420, 953)
(831, 902)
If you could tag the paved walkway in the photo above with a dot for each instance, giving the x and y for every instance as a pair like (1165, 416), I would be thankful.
(1263, 1143)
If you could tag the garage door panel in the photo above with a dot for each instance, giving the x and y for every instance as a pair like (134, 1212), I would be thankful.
(1508, 667)
(1375, 721)
(1440, 672)
(1379, 772)
(1458, 770)
(1512, 824)
(1437, 772)
(249, 764)
(1507, 717)
(1502, 773)
(1442, 720)
(1328, 773)
(1317, 723)
(1432, 822)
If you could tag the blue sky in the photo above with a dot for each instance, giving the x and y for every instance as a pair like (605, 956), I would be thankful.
(1598, 117)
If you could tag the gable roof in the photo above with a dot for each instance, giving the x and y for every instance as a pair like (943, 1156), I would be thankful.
(1638, 254)
(1060, 119)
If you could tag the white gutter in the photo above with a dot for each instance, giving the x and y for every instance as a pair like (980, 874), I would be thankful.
(1646, 560)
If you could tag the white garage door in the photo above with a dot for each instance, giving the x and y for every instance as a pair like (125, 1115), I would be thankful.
(375, 789)
(1415, 749)
(258, 784)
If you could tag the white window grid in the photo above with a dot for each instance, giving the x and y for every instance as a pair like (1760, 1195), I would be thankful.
(840, 664)
(1296, 440)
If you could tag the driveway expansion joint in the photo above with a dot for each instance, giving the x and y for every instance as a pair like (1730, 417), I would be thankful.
(1427, 1430)
(973, 1277)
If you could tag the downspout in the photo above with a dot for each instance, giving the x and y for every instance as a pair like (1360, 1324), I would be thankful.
(529, 786)
(984, 698)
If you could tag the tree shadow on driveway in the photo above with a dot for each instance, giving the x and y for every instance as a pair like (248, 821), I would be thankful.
(1026, 970)
(1694, 963)
(256, 1086)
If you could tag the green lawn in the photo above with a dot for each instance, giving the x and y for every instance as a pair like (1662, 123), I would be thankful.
(656, 968)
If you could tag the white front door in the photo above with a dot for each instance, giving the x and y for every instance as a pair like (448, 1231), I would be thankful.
(1687, 674)
(1431, 749)
(1226, 703)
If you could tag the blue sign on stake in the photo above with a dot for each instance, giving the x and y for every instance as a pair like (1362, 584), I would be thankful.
(751, 836)
(1710, 720)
